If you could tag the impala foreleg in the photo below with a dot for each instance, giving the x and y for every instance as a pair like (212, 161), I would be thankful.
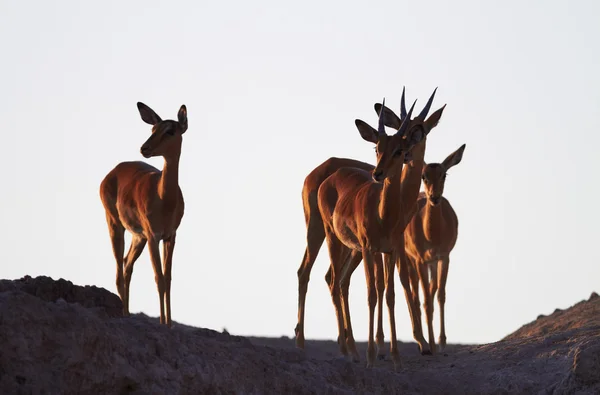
(380, 287)
(158, 275)
(390, 297)
(443, 266)
(369, 263)
(414, 284)
(168, 248)
(427, 302)
(414, 311)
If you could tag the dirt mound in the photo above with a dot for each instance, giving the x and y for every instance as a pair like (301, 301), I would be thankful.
(49, 290)
(584, 315)
(61, 338)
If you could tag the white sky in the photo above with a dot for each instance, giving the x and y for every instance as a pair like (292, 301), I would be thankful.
(272, 90)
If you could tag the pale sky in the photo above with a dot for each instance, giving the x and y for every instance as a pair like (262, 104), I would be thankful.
(272, 90)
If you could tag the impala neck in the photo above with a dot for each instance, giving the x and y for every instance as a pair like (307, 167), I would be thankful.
(168, 186)
(390, 205)
(411, 179)
(400, 193)
(432, 220)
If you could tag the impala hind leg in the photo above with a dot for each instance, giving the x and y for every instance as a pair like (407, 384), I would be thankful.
(349, 267)
(158, 275)
(314, 240)
(117, 239)
(443, 266)
(135, 250)
(168, 247)
(336, 254)
(380, 287)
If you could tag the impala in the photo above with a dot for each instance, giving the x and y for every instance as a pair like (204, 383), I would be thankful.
(362, 211)
(411, 181)
(430, 237)
(149, 204)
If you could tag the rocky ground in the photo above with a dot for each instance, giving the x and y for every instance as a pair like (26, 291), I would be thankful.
(59, 338)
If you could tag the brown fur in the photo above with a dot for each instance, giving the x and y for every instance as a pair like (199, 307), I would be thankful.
(358, 219)
(149, 204)
(430, 237)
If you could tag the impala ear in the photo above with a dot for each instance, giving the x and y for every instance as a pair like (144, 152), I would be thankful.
(415, 136)
(454, 158)
(366, 131)
(182, 118)
(148, 115)
(433, 120)
(391, 119)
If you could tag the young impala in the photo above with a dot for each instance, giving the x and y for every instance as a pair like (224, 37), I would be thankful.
(149, 204)
(430, 237)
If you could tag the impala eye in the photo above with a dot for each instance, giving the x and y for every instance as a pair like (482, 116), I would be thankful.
(424, 179)
(170, 132)
(398, 153)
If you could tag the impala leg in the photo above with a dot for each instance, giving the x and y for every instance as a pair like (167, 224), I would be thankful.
(380, 287)
(351, 265)
(369, 263)
(336, 255)
(423, 270)
(443, 266)
(403, 269)
(433, 288)
(168, 248)
(117, 239)
(390, 297)
(158, 275)
(414, 285)
(135, 250)
(314, 238)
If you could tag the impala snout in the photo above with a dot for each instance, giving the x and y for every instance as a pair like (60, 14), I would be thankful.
(435, 200)
(378, 175)
(146, 151)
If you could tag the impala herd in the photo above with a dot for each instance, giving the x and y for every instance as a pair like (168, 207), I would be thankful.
(376, 214)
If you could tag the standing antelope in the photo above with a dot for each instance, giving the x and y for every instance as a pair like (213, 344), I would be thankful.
(430, 237)
(363, 214)
(411, 183)
(149, 204)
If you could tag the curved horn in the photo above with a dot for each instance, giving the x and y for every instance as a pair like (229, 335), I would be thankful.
(402, 105)
(425, 110)
(381, 127)
(406, 121)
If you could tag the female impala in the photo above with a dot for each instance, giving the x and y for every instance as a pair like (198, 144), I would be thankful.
(430, 237)
(149, 204)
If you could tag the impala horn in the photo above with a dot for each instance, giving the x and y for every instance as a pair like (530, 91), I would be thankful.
(402, 105)
(381, 127)
(425, 110)
(406, 121)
